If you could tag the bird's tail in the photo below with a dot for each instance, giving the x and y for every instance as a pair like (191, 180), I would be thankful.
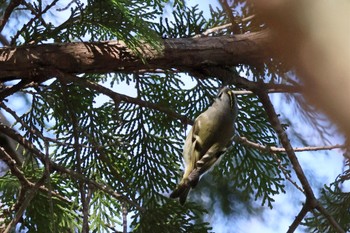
(181, 191)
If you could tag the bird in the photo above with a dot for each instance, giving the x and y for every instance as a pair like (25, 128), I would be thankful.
(210, 135)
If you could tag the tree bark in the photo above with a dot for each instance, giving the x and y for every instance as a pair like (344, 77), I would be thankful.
(103, 57)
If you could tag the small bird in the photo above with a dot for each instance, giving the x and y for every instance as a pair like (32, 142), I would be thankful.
(208, 139)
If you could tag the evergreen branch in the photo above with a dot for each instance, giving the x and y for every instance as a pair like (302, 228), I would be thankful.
(234, 25)
(228, 77)
(28, 189)
(37, 16)
(330, 218)
(30, 194)
(310, 196)
(285, 142)
(7, 91)
(287, 175)
(38, 134)
(272, 88)
(63, 170)
(31, 81)
(13, 165)
(117, 98)
(273, 149)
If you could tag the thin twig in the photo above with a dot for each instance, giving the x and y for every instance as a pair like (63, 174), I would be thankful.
(234, 25)
(47, 172)
(77, 149)
(117, 98)
(287, 175)
(227, 77)
(28, 189)
(221, 27)
(273, 149)
(30, 194)
(38, 15)
(11, 163)
(95, 146)
(13, 89)
(13, 4)
(282, 89)
(15, 37)
(330, 218)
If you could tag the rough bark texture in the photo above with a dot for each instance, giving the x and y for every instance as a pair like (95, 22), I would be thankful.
(104, 57)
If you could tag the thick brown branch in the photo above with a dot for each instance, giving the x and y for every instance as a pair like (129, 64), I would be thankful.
(104, 57)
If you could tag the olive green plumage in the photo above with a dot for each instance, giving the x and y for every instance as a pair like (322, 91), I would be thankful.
(211, 133)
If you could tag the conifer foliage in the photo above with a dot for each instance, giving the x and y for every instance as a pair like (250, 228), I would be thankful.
(85, 157)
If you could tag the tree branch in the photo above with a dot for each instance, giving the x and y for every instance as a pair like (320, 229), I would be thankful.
(228, 77)
(306, 208)
(79, 164)
(103, 57)
(310, 196)
(29, 146)
(32, 20)
(13, 4)
(273, 149)
(117, 98)
(330, 218)
(30, 194)
(28, 189)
